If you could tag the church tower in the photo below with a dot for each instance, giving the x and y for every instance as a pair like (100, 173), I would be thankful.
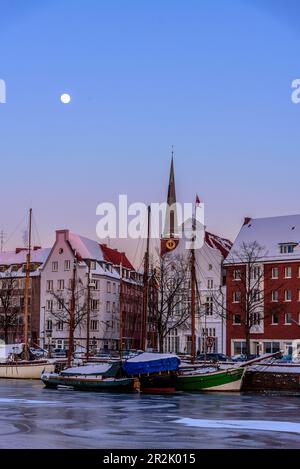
(170, 236)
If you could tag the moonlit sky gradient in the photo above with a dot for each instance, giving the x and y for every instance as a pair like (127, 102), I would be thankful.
(211, 77)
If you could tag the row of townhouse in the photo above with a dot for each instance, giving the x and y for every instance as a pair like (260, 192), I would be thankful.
(103, 275)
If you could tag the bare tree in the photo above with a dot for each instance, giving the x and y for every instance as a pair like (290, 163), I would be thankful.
(10, 307)
(172, 306)
(252, 303)
(61, 309)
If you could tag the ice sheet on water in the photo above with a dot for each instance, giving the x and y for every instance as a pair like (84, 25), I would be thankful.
(259, 425)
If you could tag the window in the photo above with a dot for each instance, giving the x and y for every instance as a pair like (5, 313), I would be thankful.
(108, 306)
(54, 266)
(256, 295)
(209, 306)
(94, 304)
(287, 248)
(210, 283)
(114, 288)
(255, 273)
(299, 271)
(60, 326)
(67, 265)
(49, 305)
(93, 265)
(271, 347)
(288, 318)
(49, 285)
(114, 309)
(275, 319)
(255, 319)
(108, 287)
(237, 297)
(210, 266)
(288, 272)
(239, 348)
(275, 295)
(95, 284)
(60, 284)
(49, 325)
(288, 295)
(60, 304)
(275, 272)
(237, 275)
(94, 325)
(237, 319)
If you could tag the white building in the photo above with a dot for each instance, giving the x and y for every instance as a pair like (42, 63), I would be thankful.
(210, 324)
(96, 266)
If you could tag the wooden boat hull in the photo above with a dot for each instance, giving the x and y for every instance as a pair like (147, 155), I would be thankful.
(158, 384)
(25, 370)
(225, 380)
(90, 383)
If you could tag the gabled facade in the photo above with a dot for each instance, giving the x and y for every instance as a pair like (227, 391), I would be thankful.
(277, 323)
(97, 271)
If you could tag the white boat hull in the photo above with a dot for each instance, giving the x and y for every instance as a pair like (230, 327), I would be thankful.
(25, 370)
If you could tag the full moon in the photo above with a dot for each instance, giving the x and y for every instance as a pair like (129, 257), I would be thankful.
(65, 98)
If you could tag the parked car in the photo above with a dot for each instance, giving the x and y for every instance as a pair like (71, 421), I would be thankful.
(59, 353)
(213, 357)
(243, 358)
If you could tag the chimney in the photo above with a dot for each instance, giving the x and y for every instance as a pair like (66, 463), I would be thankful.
(20, 250)
(247, 220)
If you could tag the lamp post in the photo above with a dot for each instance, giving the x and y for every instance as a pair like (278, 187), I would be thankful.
(49, 335)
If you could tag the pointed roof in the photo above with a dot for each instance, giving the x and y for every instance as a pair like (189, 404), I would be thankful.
(171, 188)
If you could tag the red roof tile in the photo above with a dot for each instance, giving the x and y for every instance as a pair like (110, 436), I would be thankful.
(116, 257)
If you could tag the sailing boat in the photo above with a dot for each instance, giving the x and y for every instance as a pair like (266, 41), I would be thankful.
(206, 379)
(25, 369)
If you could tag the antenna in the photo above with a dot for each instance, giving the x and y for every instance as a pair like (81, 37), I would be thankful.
(2, 238)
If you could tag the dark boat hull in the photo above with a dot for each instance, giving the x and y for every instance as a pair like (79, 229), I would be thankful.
(91, 383)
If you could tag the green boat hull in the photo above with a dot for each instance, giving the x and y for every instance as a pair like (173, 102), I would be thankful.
(225, 380)
(91, 383)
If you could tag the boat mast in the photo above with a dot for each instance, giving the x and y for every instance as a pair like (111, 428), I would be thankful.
(121, 308)
(193, 282)
(88, 312)
(146, 286)
(72, 315)
(27, 285)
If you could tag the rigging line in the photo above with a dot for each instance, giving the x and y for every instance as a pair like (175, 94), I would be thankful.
(14, 232)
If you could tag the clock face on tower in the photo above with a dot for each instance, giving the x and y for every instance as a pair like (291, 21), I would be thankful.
(170, 244)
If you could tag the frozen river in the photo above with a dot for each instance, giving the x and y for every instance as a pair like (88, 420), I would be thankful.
(34, 417)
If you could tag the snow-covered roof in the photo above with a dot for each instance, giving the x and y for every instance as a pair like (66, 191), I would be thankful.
(85, 247)
(12, 257)
(269, 233)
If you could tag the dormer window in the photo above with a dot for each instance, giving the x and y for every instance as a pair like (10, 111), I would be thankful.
(287, 248)
(93, 265)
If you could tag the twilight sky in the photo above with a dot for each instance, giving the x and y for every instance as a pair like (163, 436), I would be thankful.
(211, 77)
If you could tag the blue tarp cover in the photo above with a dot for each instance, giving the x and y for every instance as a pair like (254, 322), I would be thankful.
(151, 363)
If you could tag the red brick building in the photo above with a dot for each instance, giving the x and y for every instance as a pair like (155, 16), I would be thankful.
(131, 296)
(276, 320)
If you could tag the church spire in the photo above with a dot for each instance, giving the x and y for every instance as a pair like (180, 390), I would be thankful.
(171, 225)
(171, 189)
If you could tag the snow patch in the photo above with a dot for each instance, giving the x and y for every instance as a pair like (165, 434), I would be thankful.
(259, 425)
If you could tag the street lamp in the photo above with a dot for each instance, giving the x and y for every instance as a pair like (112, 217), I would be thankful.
(49, 335)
